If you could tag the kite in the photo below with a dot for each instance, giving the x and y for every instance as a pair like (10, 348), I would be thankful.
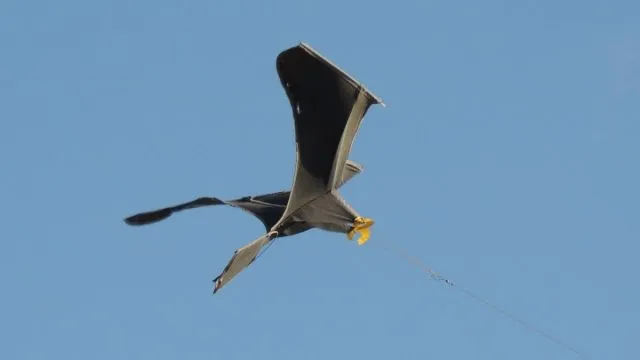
(328, 108)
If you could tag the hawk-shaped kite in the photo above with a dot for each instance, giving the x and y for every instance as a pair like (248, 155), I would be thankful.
(328, 107)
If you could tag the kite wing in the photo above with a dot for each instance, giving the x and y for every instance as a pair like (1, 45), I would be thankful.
(161, 214)
(267, 208)
(268, 213)
(241, 258)
(328, 106)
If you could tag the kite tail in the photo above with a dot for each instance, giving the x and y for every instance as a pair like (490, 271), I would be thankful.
(437, 277)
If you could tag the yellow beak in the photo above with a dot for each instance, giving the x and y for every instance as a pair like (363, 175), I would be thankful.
(361, 225)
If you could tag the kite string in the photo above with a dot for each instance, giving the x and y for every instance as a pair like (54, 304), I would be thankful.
(435, 276)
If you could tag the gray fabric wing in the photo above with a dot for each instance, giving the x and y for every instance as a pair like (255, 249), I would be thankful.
(329, 212)
(241, 258)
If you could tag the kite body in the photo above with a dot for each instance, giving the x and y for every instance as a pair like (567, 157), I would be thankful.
(328, 107)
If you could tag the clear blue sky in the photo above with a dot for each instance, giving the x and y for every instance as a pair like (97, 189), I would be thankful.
(507, 158)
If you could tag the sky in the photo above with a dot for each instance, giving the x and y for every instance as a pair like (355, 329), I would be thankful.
(507, 159)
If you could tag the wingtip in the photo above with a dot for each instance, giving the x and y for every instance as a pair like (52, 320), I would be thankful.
(307, 47)
(216, 284)
(132, 221)
(148, 217)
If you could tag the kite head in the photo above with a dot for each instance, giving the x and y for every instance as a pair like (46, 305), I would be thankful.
(361, 225)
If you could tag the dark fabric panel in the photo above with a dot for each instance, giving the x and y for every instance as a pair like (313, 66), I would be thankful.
(321, 101)
(161, 214)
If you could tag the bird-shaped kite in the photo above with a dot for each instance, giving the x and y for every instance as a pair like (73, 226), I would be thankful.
(328, 107)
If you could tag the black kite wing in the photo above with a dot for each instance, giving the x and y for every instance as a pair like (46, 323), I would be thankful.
(328, 106)
(268, 208)
(161, 214)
